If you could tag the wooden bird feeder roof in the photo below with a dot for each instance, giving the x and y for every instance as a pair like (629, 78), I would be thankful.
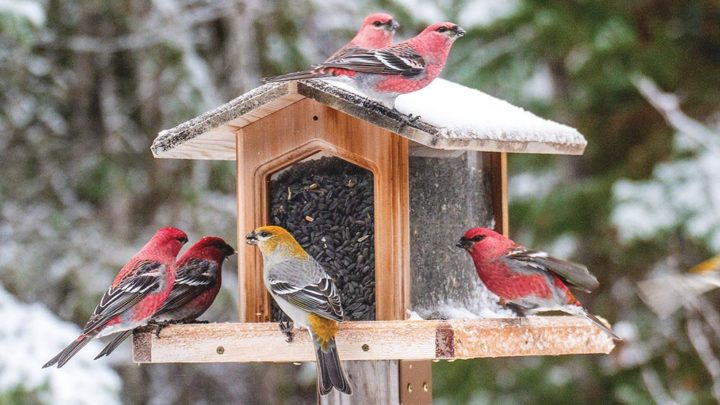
(452, 117)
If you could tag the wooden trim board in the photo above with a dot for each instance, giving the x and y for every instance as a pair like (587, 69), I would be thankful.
(379, 340)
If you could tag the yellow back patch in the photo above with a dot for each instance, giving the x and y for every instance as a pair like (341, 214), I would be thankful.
(325, 329)
(707, 266)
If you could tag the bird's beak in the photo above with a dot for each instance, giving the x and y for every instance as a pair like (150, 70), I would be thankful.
(464, 243)
(229, 251)
(392, 25)
(458, 31)
(251, 238)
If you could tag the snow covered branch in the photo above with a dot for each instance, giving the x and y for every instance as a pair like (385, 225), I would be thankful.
(668, 104)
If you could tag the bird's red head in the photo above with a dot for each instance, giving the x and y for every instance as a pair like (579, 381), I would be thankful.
(483, 241)
(167, 241)
(377, 31)
(171, 235)
(210, 247)
(445, 30)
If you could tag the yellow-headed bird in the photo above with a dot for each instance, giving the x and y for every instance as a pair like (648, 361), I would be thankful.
(668, 293)
(306, 293)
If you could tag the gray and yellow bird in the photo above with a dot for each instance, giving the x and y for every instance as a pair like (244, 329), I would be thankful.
(307, 294)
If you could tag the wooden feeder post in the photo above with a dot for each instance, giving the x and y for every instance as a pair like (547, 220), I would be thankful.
(429, 180)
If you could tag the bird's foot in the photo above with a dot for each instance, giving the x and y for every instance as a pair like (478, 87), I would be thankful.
(159, 326)
(195, 321)
(286, 327)
(519, 310)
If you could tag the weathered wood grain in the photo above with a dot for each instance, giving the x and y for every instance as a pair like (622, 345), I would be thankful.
(379, 340)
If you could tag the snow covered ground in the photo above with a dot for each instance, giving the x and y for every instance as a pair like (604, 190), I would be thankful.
(30, 336)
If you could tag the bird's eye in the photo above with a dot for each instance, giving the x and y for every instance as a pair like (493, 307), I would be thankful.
(377, 23)
(442, 29)
(477, 238)
(264, 234)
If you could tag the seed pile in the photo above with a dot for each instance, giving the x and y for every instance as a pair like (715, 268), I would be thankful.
(327, 204)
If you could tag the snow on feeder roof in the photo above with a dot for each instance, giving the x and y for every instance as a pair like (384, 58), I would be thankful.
(452, 117)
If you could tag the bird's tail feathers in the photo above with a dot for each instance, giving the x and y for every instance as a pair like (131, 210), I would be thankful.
(329, 370)
(667, 294)
(582, 312)
(114, 343)
(307, 74)
(67, 353)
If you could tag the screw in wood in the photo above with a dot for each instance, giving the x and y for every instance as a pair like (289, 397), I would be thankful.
(315, 118)
(220, 350)
(366, 347)
(426, 388)
(410, 387)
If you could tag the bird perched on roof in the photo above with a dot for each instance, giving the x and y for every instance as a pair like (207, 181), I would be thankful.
(666, 294)
(377, 31)
(307, 294)
(528, 281)
(139, 289)
(384, 74)
(198, 280)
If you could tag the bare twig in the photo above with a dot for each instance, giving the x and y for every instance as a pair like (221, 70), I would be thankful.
(655, 388)
(707, 310)
(702, 347)
(668, 104)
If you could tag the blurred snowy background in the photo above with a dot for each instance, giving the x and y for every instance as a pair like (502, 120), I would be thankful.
(86, 86)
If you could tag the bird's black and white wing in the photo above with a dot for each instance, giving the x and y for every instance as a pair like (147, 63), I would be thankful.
(574, 274)
(144, 279)
(317, 295)
(397, 60)
(194, 277)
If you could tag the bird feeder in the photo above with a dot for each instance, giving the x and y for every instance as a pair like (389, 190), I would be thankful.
(378, 198)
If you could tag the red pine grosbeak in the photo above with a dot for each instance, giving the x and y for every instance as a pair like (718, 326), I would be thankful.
(198, 280)
(383, 74)
(528, 281)
(377, 31)
(139, 289)
(666, 294)
(306, 293)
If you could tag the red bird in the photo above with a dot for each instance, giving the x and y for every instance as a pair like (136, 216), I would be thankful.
(384, 74)
(377, 31)
(199, 277)
(528, 281)
(139, 289)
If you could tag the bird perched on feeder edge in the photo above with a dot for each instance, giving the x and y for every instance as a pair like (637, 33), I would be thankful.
(666, 294)
(197, 282)
(139, 289)
(384, 74)
(377, 31)
(307, 294)
(528, 281)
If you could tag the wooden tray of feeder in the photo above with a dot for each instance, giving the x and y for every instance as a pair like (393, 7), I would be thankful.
(375, 340)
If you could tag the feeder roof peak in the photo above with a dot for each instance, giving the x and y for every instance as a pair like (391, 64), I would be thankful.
(451, 117)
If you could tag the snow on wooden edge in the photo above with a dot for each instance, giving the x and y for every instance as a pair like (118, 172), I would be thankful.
(452, 117)
(379, 340)
(465, 114)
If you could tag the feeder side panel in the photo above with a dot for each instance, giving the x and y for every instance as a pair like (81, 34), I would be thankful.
(448, 195)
